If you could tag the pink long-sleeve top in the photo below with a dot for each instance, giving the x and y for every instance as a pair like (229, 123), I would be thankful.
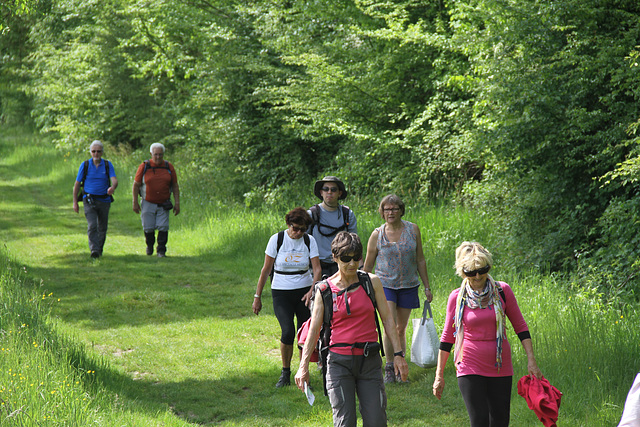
(479, 346)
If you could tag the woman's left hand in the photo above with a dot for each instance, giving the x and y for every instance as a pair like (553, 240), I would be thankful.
(532, 366)
(401, 367)
(428, 294)
(257, 305)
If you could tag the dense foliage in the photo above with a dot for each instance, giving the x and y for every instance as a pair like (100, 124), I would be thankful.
(526, 108)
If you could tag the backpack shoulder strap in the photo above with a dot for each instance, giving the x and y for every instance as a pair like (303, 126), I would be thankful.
(315, 217)
(106, 169)
(85, 171)
(307, 241)
(345, 216)
(365, 281)
(327, 300)
(280, 241)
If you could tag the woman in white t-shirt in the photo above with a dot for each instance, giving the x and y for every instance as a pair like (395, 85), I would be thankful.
(289, 256)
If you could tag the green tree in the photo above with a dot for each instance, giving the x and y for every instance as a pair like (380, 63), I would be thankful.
(552, 109)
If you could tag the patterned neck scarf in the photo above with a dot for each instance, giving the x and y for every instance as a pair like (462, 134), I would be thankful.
(473, 300)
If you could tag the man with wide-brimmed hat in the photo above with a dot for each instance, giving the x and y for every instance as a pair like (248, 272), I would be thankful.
(329, 218)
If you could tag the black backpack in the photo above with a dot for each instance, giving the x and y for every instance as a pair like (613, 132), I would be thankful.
(147, 165)
(325, 331)
(315, 216)
(279, 242)
(84, 178)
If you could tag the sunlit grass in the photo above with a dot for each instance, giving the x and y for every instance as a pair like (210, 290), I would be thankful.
(136, 340)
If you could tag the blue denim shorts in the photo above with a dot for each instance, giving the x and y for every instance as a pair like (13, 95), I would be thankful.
(404, 298)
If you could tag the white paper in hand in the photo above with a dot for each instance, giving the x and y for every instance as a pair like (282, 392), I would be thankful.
(310, 397)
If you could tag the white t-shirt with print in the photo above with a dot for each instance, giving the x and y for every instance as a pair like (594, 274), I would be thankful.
(293, 256)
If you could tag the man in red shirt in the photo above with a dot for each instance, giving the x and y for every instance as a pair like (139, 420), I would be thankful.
(155, 180)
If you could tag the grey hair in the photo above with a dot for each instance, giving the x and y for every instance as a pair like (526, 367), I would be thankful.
(96, 142)
(156, 145)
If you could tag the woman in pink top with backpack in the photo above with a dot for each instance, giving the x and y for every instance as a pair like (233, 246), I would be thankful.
(354, 363)
(475, 325)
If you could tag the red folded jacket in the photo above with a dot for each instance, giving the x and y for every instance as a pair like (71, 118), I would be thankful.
(542, 398)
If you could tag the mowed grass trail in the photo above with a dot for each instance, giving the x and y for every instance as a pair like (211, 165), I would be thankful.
(178, 333)
(174, 342)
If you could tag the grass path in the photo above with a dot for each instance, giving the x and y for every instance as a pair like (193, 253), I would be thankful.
(178, 337)
(178, 333)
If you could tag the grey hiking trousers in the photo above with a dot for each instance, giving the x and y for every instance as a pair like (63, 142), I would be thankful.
(351, 375)
(97, 215)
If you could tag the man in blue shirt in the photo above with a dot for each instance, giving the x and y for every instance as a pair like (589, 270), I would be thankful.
(98, 179)
(330, 217)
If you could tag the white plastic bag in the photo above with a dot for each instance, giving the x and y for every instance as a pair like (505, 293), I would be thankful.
(631, 413)
(425, 342)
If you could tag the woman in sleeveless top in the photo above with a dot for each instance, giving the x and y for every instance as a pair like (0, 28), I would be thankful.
(396, 250)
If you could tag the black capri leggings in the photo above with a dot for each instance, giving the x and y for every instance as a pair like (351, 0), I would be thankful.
(286, 304)
(488, 399)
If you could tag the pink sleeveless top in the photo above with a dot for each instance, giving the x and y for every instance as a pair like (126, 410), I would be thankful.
(359, 326)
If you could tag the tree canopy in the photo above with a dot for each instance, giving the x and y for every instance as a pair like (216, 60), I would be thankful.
(526, 109)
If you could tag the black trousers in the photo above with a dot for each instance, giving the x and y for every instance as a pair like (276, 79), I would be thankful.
(488, 399)
(286, 305)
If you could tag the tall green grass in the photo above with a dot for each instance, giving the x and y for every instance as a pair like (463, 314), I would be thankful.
(133, 340)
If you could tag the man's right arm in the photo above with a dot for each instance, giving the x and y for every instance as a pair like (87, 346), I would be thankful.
(76, 189)
(136, 191)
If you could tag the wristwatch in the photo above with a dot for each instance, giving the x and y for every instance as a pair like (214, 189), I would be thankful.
(399, 353)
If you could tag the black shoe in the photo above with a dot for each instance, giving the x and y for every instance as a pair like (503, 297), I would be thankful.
(95, 254)
(161, 255)
(149, 250)
(285, 380)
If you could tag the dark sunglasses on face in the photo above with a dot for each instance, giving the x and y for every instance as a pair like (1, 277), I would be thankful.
(297, 228)
(348, 258)
(96, 151)
(472, 273)
(330, 189)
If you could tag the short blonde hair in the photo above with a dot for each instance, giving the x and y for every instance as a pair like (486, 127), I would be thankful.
(471, 256)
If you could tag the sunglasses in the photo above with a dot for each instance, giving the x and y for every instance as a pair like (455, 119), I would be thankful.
(330, 189)
(348, 258)
(472, 273)
(96, 151)
(297, 228)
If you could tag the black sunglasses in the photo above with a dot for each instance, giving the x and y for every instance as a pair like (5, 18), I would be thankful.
(472, 273)
(348, 258)
(330, 189)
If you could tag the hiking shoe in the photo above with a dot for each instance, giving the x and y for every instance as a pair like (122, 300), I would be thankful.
(149, 250)
(161, 255)
(95, 254)
(399, 380)
(389, 374)
(285, 380)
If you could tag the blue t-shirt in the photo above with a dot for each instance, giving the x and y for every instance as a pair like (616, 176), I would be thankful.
(332, 219)
(96, 182)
